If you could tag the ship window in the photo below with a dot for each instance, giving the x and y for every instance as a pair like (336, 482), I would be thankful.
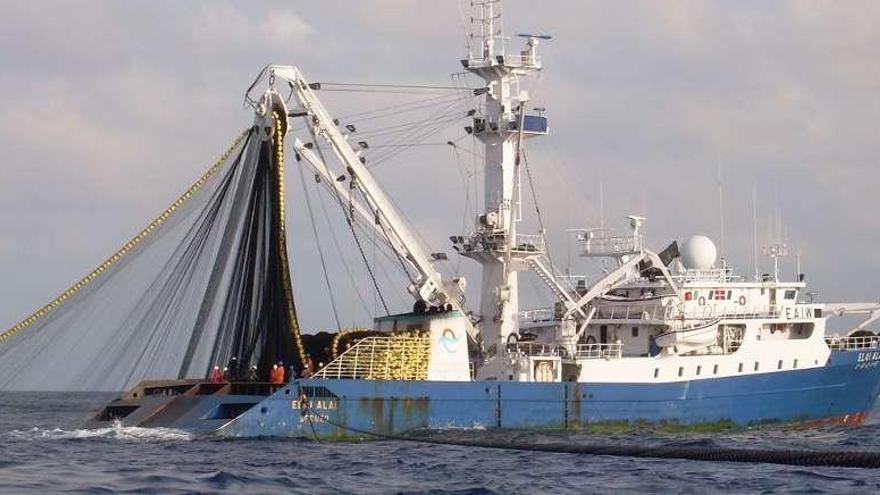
(635, 331)
(711, 294)
(715, 370)
(730, 294)
(801, 330)
(779, 365)
(790, 294)
(756, 366)
(680, 370)
(795, 363)
(656, 372)
(698, 370)
(740, 367)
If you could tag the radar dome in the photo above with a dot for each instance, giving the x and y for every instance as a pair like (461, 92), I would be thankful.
(698, 253)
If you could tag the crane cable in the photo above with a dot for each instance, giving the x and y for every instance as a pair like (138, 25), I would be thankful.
(308, 199)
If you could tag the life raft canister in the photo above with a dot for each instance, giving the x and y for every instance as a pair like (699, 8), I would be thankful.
(742, 300)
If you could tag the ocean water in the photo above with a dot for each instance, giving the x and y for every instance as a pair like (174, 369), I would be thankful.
(43, 451)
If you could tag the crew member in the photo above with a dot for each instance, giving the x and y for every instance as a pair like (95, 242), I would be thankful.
(310, 367)
(217, 375)
(252, 374)
(233, 373)
(276, 376)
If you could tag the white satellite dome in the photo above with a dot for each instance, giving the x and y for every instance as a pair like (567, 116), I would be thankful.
(698, 253)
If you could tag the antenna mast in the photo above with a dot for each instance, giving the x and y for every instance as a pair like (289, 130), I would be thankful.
(721, 204)
(500, 124)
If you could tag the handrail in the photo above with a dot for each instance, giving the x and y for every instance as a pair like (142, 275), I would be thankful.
(534, 349)
(528, 243)
(837, 343)
(381, 358)
(598, 243)
(599, 351)
(583, 351)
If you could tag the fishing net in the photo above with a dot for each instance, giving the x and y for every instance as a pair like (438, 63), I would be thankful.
(206, 281)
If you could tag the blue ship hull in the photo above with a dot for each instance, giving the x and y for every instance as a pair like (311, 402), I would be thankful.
(844, 391)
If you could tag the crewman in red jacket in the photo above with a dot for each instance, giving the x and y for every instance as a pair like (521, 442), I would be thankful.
(276, 376)
(217, 375)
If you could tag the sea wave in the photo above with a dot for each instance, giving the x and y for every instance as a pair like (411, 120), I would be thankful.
(118, 432)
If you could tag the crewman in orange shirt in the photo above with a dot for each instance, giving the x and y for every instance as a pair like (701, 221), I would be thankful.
(276, 376)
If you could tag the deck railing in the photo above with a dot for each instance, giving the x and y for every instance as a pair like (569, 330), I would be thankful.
(599, 351)
(601, 243)
(535, 349)
(853, 343)
(658, 312)
(528, 243)
(583, 351)
(382, 358)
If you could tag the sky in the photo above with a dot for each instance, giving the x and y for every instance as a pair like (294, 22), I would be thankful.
(111, 109)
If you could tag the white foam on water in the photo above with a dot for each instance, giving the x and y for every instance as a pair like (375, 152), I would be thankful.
(476, 426)
(117, 431)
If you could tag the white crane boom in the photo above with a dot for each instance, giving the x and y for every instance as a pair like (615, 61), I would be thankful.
(428, 284)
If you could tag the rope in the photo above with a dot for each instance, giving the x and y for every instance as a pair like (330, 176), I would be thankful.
(278, 145)
(318, 247)
(128, 246)
(870, 460)
(402, 86)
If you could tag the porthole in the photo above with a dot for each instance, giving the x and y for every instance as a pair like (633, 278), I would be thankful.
(794, 365)
(715, 369)
(756, 366)
(779, 365)
(698, 370)
(740, 367)
(681, 371)
(656, 372)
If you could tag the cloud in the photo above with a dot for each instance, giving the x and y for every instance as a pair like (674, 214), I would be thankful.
(111, 108)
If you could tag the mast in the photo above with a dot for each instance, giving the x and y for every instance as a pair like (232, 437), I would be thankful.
(497, 126)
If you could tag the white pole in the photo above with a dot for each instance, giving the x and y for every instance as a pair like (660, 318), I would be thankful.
(721, 201)
(755, 231)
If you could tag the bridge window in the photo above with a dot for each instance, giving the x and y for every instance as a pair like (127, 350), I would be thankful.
(801, 330)
(790, 294)
(715, 370)
(635, 331)
(680, 370)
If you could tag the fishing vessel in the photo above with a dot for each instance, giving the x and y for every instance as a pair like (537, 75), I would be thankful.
(670, 336)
